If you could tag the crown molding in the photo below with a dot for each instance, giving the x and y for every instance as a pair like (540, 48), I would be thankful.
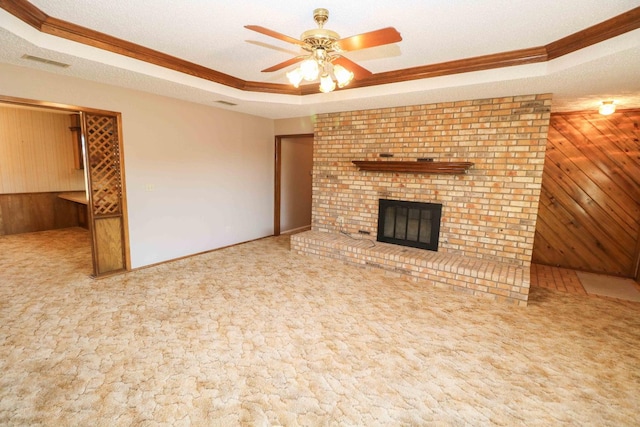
(478, 63)
(605, 30)
(25, 11)
(46, 24)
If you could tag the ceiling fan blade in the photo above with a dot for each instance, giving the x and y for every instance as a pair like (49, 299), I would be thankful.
(370, 39)
(275, 34)
(284, 64)
(358, 71)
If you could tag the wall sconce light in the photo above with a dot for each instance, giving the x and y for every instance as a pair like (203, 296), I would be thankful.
(607, 107)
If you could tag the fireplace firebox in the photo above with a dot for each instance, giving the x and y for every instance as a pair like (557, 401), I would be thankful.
(413, 224)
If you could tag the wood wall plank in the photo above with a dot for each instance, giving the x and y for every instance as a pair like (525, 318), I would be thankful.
(36, 152)
(31, 212)
(589, 212)
(590, 187)
(578, 234)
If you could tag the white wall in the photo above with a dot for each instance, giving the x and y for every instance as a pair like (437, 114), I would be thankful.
(210, 171)
(294, 126)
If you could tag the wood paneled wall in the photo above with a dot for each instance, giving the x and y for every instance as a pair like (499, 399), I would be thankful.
(31, 212)
(36, 152)
(589, 212)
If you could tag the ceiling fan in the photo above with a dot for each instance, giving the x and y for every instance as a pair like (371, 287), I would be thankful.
(325, 47)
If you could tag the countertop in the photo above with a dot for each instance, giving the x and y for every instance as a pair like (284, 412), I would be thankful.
(75, 196)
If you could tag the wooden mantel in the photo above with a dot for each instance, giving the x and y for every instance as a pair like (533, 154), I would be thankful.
(446, 168)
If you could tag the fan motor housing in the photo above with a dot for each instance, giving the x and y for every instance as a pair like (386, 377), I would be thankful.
(320, 37)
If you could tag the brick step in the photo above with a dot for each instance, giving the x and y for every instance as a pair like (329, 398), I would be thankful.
(495, 280)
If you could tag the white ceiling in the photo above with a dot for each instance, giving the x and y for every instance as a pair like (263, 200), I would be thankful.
(211, 33)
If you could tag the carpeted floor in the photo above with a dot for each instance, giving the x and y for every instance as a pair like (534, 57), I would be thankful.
(256, 335)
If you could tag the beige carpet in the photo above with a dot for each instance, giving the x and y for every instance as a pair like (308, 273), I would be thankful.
(255, 335)
(608, 286)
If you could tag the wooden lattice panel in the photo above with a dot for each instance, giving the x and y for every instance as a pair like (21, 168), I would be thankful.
(103, 151)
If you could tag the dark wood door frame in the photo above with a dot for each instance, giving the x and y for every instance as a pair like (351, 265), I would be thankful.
(277, 198)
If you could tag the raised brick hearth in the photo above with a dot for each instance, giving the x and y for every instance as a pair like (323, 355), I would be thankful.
(488, 215)
(496, 280)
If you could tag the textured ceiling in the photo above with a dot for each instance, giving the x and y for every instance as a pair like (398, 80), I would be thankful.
(212, 34)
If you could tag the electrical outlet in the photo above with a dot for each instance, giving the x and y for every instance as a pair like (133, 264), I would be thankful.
(149, 187)
(340, 221)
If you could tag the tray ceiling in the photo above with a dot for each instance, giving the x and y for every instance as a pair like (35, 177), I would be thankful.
(211, 34)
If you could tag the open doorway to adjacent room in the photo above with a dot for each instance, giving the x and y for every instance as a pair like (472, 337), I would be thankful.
(61, 168)
(293, 183)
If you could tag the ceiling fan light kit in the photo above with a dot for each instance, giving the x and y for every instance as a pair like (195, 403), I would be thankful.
(310, 69)
(295, 77)
(343, 76)
(326, 83)
(324, 49)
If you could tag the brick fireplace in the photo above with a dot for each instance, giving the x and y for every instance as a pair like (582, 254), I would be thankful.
(488, 213)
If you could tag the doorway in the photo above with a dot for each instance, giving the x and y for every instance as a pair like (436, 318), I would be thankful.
(293, 183)
(103, 173)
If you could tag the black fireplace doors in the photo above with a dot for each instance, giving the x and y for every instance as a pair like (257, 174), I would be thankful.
(413, 224)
